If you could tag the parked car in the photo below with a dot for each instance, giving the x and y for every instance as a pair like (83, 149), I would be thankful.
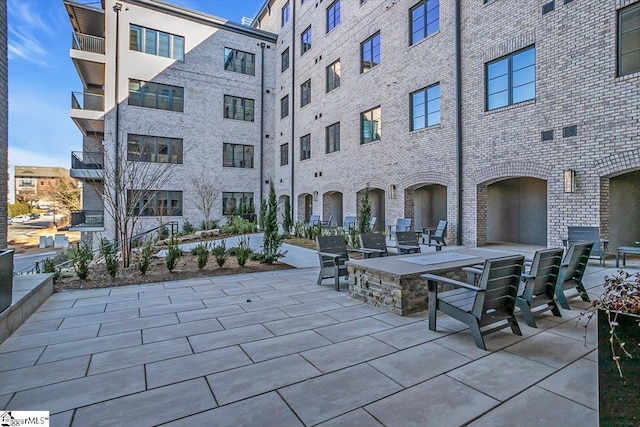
(34, 215)
(9, 221)
(21, 218)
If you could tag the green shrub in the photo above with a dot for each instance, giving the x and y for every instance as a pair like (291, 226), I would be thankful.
(202, 253)
(110, 254)
(144, 259)
(239, 225)
(220, 252)
(208, 225)
(81, 256)
(163, 233)
(353, 238)
(242, 251)
(49, 266)
(187, 227)
(173, 254)
(298, 229)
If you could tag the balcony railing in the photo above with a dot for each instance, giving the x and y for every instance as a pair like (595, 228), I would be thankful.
(87, 160)
(87, 219)
(87, 43)
(87, 101)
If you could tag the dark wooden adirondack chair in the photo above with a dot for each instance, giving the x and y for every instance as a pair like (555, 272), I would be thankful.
(492, 301)
(589, 234)
(402, 224)
(374, 243)
(436, 236)
(572, 270)
(407, 242)
(540, 285)
(332, 253)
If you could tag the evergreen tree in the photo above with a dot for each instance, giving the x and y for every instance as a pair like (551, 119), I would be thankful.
(287, 221)
(272, 240)
(365, 213)
(263, 214)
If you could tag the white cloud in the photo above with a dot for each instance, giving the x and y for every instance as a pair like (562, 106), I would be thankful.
(26, 28)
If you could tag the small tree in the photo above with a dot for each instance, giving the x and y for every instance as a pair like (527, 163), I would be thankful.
(263, 214)
(365, 213)
(206, 195)
(110, 253)
(287, 220)
(272, 240)
(81, 257)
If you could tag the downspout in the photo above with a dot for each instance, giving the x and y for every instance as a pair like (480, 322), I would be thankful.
(458, 54)
(117, 8)
(262, 46)
(293, 100)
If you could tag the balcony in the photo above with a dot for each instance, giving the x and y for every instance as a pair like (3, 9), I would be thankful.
(87, 111)
(87, 221)
(87, 166)
(87, 53)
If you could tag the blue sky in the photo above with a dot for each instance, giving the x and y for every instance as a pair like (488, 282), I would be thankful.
(42, 76)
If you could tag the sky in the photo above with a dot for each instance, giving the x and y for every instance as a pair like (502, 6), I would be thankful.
(42, 76)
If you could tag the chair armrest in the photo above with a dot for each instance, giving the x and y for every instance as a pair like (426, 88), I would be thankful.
(473, 269)
(605, 243)
(440, 279)
(330, 255)
(527, 276)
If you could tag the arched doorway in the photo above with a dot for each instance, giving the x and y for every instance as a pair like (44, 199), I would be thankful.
(624, 209)
(376, 199)
(517, 211)
(426, 204)
(332, 207)
(282, 201)
(305, 207)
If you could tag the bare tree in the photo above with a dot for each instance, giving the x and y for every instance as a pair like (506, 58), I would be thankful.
(65, 193)
(205, 194)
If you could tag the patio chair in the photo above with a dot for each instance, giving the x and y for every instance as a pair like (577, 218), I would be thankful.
(402, 224)
(348, 223)
(539, 285)
(314, 220)
(589, 234)
(332, 253)
(407, 243)
(372, 223)
(492, 301)
(327, 224)
(374, 243)
(572, 270)
(436, 236)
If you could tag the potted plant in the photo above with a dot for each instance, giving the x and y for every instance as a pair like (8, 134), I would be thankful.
(618, 314)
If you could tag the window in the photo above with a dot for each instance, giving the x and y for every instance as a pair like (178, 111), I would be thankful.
(425, 107)
(370, 125)
(425, 19)
(305, 147)
(237, 156)
(285, 14)
(332, 136)
(236, 203)
(156, 42)
(156, 95)
(305, 41)
(154, 203)
(511, 79)
(238, 108)
(333, 15)
(284, 107)
(239, 61)
(333, 76)
(370, 53)
(305, 93)
(629, 40)
(284, 60)
(158, 149)
(284, 154)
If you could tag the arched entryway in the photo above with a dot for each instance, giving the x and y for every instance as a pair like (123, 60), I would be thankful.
(305, 207)
(624, 209)
(377, 199)
(516, 211)
(426, 204)
(332, 207)
(282, 201)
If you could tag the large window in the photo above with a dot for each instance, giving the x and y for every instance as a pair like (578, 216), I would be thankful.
(239, 61)
(511, 79)
(237, 156)
(234, 203)
(238, 108)
(333, 15)
(284, 154)
(425, 107)
(305, 93)
(146, 148)
(156, 95)
(284, 107)
(305, 41)
(305, 147)
(425, 19)
(370, 53)
(284, 60)
(285, 14)
(332, 136)
(370, 125)
(154, 203)
(156, 42)
(629, 40)
(333, 76)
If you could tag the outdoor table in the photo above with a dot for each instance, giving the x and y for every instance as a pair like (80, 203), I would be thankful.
(624, 250)
(393, 283)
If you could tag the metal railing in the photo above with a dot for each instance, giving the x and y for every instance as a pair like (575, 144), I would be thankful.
(87, 43)
(87, 160)
(87, 219)
(87, 101)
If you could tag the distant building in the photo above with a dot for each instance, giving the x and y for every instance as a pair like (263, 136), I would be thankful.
(35, 184)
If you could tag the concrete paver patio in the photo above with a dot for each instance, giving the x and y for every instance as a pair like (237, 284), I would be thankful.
(275, 349)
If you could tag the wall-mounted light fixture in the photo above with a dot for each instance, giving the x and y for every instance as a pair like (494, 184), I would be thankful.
(315, 196)
(570, 181)
(392, 191)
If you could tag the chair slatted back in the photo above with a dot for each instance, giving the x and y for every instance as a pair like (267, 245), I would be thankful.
(576, 234)
(441, 229)
(500, 279)
(314, 220)
(544, 269)
(331, 245)
(372, 222)
(576, 260)
(349, 223)
(408, 238)
(373, 241)
(403, 224)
